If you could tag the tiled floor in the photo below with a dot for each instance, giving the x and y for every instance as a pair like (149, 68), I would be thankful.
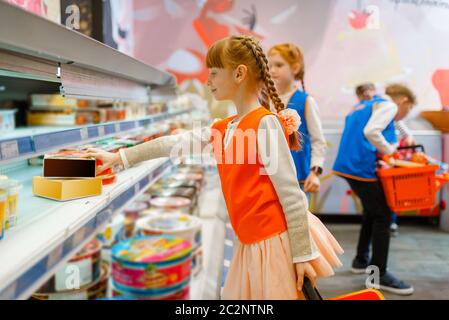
(418, 255)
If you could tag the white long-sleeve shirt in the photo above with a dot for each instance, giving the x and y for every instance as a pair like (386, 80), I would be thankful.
(274, 154)
(312, 118)
(383, 113)
(403, 130)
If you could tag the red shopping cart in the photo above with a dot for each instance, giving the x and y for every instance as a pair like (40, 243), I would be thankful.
(410, 185)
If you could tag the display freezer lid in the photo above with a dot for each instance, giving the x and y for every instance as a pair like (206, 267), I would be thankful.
(83, 83)
(15, 64)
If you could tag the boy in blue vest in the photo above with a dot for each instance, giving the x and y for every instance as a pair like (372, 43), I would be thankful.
(366, 92)
(369, 130)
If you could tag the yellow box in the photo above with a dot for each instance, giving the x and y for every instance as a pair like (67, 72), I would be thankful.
(66, 189)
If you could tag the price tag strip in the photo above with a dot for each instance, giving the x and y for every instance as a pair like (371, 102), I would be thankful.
(9, 149)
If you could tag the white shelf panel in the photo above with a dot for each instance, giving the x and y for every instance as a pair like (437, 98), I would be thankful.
(34, 130)
(50, 232)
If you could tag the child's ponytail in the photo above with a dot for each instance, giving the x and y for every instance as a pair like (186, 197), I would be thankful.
(269, 89)
(300, 77)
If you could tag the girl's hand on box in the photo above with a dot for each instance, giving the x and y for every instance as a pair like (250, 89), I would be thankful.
(108, 159)
(304, 269)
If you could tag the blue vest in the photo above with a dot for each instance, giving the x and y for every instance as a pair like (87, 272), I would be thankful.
(356, 156)
(361, 102)
(301, 158)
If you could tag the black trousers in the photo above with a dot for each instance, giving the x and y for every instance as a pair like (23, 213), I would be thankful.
(376, 221)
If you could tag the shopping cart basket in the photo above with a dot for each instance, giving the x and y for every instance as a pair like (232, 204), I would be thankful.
(411, 188)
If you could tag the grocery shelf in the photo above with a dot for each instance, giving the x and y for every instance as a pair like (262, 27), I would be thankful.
(34, 141)
(49, 233)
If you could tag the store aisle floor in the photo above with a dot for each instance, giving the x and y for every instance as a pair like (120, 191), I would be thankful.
(212, 212)
(418, 255)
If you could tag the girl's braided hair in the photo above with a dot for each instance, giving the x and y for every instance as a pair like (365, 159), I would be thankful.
(236, 50)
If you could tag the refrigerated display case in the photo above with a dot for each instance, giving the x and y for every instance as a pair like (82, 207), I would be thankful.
(39, 56)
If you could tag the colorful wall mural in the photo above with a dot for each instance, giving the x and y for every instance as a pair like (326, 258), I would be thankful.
(49, 9)
(345, 42)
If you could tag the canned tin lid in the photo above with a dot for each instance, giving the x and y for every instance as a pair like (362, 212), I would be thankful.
(135, 207)
(93, 247)
(189, 169)
(4, 187)
(144, 197)
(187, 176)
(170, 202)
(180, 183)
(11, 186)
(169, 223)
(163, 192)
(151, 249)
(152, 211)
(152, 293)
(14, 186)
(175, 192)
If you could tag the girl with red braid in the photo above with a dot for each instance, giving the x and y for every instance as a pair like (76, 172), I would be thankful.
(278, 240)
(287, 67)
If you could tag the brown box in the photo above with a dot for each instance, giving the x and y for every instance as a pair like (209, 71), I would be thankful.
(68, 166)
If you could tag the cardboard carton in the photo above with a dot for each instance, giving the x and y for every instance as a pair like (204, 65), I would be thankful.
(66, 189)
(68, 166)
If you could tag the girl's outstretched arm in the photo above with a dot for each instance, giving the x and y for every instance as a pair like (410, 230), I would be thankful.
(187, 143)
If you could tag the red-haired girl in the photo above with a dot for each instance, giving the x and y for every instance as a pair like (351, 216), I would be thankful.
(279, 241)
(286, 63)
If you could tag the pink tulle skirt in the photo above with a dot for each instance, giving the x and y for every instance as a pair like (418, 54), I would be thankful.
(264, 270)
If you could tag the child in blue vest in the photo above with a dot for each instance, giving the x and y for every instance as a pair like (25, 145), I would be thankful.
(366, 92)
(369, 130)
(286, 63)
